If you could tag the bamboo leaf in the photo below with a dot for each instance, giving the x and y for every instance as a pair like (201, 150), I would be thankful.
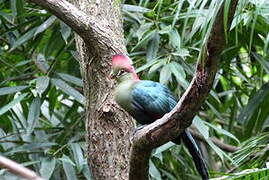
(42, 84)
(165, 74)
(71, 79)
(78, 155)
(68, 90)
(144, 40)
(11, 90)
(153, 171)
(223, 131)
(33, 115)
(128, 7)
(65, 31)
(153, 47)
(45, 25)
(68, 168)
(47, 167)
(11, 104)
(24, 38)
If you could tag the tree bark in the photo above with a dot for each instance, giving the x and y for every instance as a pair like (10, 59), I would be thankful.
(98, 25)
(108, 127)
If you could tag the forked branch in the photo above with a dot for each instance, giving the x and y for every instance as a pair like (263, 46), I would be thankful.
(174, 123)
(95, 32)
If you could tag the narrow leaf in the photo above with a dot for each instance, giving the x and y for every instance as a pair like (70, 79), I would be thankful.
(5, 108)
(175, 39)
(45, 25)
(71, 79)
(222, 131)
(153, 171)
(200, 125)
(68, 90)
(165, 74)
(134, 8)
(47, 167)
(179, 73)
(144, 40)
(78, 155)
(33, 114)
(25, 37)
(68, 168)
(163, 148)
(11, 90)
(41, 63)
(153, 47)
(42, 83)
(65, 31)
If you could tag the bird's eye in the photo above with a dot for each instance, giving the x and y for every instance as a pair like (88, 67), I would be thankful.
(121, 72)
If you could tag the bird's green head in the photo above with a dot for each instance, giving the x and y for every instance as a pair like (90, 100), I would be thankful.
(122, 65)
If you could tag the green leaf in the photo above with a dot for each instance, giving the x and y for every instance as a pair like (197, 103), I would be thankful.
(142, 30)
(223, 131)
(153, 171)
(33, 115)
(163, 148)
(11, 90)
(41, 63)
(11, 104)
(78, 155)
(42, 84)
(179, 73)
(253, 104)
(68, 168)
(146, 66)
(24, 38)
(45, 25)
(86, 172)
(128, 7)
(68, 90)
(200, 125)
(21, 63)
(156, 66)
(153, 47)
(262, 61)
(144, 40)
(71, 79)
(6, 16)
(175, 39)
(219, 152)
(13, 8)
(165, 74)
(47, 167)
(65, 31)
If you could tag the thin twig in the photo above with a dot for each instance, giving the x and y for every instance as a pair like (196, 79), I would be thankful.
(216, 141)
(18, 169)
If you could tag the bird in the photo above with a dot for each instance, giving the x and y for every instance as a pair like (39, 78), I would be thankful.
(146, 101)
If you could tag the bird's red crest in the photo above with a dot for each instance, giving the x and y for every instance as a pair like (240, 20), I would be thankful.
(121, 61)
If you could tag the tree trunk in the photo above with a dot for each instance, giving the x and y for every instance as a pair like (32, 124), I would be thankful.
(108, 127)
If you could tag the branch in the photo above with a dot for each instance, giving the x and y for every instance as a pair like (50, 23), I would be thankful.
(216, 141)
(18, 169)
(174, 123)
(91, 29)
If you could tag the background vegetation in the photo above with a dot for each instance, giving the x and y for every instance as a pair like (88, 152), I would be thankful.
(41, 99)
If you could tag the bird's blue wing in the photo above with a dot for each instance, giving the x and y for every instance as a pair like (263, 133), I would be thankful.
(150, 101)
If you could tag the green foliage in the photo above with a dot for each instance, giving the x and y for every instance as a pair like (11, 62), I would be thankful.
(41, 103)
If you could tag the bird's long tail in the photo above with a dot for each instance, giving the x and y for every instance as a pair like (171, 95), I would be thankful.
(196, 154)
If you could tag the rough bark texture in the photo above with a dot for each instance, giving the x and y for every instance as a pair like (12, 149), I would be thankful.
(175, 122)
(99, 26)
(108, 127)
